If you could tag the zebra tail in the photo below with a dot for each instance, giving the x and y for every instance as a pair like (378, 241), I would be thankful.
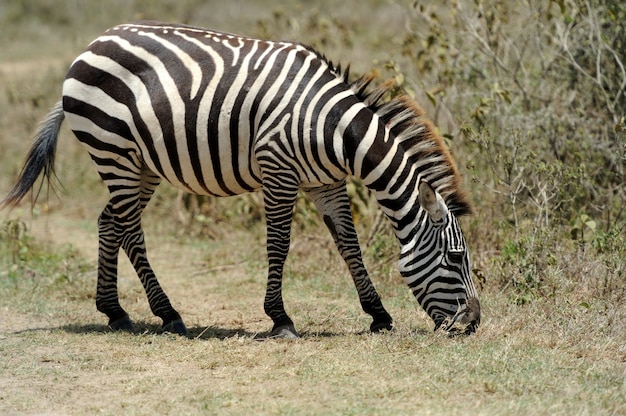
(40, 158)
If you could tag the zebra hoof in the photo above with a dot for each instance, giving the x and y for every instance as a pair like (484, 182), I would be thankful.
(176, 327)
(285, 331)
(122, 324)
(378, 327)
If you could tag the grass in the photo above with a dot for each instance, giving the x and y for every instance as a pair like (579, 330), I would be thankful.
(546, 357)
(395, 373)
(548, 252)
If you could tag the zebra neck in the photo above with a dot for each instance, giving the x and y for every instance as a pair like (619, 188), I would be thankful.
(370, 149)
(405, 215)
(379, 161)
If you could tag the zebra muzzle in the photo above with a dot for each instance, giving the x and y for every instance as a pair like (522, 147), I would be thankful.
(468, 314)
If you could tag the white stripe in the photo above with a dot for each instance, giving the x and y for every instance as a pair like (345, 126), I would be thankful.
(364, 146)
(204, 109)
(308, 121)
(274, 91)
(382, 166)
(236, 50)
(259, 61)
(243, 142)
(188, 61)
(305, 122)
(343, 124)
(245, 135)
(337, 139)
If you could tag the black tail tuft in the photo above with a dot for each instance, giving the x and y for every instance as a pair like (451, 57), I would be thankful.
(40, 158)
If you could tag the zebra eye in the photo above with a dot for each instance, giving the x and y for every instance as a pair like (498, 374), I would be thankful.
(455, 256)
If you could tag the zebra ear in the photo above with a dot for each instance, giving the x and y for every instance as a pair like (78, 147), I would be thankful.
(432, 202)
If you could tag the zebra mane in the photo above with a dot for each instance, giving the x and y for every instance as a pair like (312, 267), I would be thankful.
(419, 138)
(343, 74)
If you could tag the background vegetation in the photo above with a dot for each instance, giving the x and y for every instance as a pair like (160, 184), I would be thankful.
(531, 98)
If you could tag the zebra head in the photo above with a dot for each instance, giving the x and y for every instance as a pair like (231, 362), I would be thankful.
(435, 264)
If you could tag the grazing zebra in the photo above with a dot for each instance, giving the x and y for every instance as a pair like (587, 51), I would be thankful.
(221, 114)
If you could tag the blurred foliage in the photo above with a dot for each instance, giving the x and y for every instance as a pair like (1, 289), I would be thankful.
(26, 263)
(16, 243)
(533, 113)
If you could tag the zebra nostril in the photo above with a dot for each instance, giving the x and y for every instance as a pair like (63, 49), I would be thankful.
(472, 311)
(472, 315)
(471, 328)
(439, 320)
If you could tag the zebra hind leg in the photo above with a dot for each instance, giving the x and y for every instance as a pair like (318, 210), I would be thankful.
(120, 226)
(333, 205)
(133, 244)
(107, 298)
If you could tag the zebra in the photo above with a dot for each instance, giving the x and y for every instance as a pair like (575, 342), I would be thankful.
(221, 114)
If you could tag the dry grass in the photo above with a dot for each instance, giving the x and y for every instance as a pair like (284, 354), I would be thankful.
(552, 340)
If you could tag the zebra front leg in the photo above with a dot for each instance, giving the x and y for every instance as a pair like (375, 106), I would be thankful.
(279, 213)
(333, 205)
(107, 298)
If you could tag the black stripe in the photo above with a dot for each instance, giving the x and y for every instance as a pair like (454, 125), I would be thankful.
(251, 77)
(100, 119)
(157, 95)
(319, 135)
(119, 91)
(329, 131)
(312, 165)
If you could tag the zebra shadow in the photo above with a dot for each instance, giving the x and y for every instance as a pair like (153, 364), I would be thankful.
(216, 332)
(198, 332)
(142, 328)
